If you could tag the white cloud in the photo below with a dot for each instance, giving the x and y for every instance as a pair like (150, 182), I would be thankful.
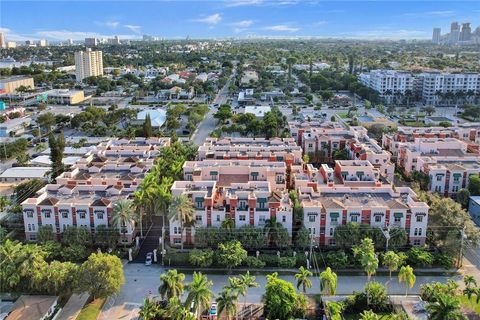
(387, 34)
(112, 24)
(320, 23)
(239, 3)
(133, 28)
(438, 13)
(242, 23)
(282, 27)
(212, 19)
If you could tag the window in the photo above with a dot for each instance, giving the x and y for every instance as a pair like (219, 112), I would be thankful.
(198, 218)
(82, 215)
(419, 231)
(242, 205)
(398, 219)
(415, 232)
(218, 217)
(311, 218)
(65, 214)
(33, 227)
(378, 218)
(310, 145)
(354, 218)
(242, 217)
(99, 215)
(33, 237)
(261, 219)
(177, 241)
(199, 204)
(416, 242)
(47, 214)
(261, 205)
(331, 232)
(284, 218)
(331, 242)
(439, 177)
(29, 227)
(176, 230)
(419, 218)
(29, 213)
(311, 230)
(334, 220)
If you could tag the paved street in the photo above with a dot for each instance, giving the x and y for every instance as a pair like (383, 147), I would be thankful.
(142, 281)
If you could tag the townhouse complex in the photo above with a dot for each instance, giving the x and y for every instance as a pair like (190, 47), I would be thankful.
(85, 195)
(248, 180)
(447, 155)
(432, 88)
(328, 137)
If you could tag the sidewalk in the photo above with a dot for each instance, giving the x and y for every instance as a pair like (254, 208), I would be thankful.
(73, 306)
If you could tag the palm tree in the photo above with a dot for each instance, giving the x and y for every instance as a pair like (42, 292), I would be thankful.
(469, 281)
(227, 302)
(171, 284)
(4, 202)
(406, 275)
(328, 282)
(272, 229)
(446, 307)
(334, 310)
(176, 310)
(181, 209)
(199, 293)
(123, 215)
(228, 224)
(151, 310)
(392, 261)
(245, 282)
(369, 315)
(303, 280)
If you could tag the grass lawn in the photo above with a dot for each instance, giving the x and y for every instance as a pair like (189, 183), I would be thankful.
(414, 124)
(383, 316)
(342, 115)
(91, 310)
(470, 304)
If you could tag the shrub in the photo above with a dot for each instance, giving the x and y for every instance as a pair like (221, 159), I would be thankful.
(75, 253)
(269, 259)
(377, 294)
(429, 292)
(201, 258)
(444, 261)
(174, 258)
(337, 259)
(301, 260)
(253, 262)
(287, 262)
(419, 257)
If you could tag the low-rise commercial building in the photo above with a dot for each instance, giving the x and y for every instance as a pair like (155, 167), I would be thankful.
(19, 174)
(65, 96)
(11, 84)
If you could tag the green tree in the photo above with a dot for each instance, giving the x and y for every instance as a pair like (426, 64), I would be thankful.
(223, 113)
(182, 210)
(147, 127)
(365, 253)
(101, 275)
(227, 303)
(463, 197)
(60, 278)
(4, 202)
(46, 121)
(328, 282)
(392, 261)
(290, 61)
(303, 280)
(334, 310)
(171, 284)
(123, 216)
(377, 296)
(151, 310)
(199, 293)
(201, 258)
(280, 298)
(474, 185)
(177, 311)
(45, 233)
(231, 254)
(446, 307)
(246, 282)
(369, 315)
(407, 276)
(276, 233)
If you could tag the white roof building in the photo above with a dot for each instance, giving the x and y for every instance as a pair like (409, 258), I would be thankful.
(258, 111)
(19, 174)
(157, 117)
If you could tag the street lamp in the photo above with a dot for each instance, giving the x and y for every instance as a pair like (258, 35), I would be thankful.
(387, 236)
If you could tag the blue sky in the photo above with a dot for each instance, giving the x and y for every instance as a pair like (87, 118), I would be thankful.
(61, 20)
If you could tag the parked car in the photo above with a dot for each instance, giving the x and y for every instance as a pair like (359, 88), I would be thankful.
(213, 310)
(148, 259)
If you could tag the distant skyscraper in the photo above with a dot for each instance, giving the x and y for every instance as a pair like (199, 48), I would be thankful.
(114, 40)
(454, 32)
(70, 41)
(91, 42)
(436, 35)
(2, 40)
(466, 32)
(43, 43)
(88, 63)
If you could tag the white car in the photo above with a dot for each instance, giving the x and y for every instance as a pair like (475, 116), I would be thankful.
(148, 259)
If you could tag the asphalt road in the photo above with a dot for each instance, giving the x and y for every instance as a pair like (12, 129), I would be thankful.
(143, 281)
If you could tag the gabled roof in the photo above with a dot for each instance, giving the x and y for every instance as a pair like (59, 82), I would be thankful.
(101, 202)
(396, 204)
(332, 204)
(50, 201)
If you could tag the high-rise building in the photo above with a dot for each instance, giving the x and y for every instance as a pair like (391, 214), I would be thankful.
(114, 40)
(70, 41)
(91, 42)
(2, 40)
(88, 63)
(466, 32)
(11, 44)
(436, 35)
(454, 32)
(43, 43)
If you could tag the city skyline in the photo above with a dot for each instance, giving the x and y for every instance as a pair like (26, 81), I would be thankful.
(235, 18)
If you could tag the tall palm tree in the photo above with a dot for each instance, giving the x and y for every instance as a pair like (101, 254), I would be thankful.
(182, 210)
(369, 315)
(446, 307)
(303, 280)
(227, 303)
(328, 282)
(123, 214)
(392, 261)
(272, 229)
(199, 293)
(469, 281)
(177, 311)
(247, 281)
(406, 275)
(171, 284)
(151, 310)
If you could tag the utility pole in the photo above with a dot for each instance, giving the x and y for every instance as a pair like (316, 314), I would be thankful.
(163, 242)
(311, 248)
(386, 233)
(462, 234)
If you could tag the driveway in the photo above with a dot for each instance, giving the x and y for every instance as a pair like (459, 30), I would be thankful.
(142, 281)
